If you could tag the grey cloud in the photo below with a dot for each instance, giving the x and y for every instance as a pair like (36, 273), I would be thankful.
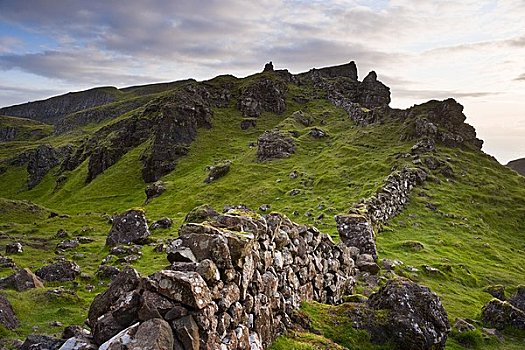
(521, 77)
(13, 95)
(441, 94)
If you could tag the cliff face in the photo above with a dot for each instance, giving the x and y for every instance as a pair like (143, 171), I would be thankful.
(52, 109)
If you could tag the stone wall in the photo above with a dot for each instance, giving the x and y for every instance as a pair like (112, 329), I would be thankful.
(234, 282)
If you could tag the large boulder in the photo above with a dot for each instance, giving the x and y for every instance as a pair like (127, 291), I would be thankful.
(58, 272)
(500, 314)
(273, 144)
(154, 334)
(408, 315)
(217, 171)
(22, 280)
(7, 314)
(128, 227)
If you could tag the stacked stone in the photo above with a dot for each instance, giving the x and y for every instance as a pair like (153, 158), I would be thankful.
(233, 283)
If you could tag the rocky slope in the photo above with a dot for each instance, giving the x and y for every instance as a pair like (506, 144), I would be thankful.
(416, 205)
(518, 165)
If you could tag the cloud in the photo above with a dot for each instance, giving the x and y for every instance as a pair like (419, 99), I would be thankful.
(521, 77)
(442, 94)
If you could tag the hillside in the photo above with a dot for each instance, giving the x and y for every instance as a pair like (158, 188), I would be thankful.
(309, 146)
(518, 165)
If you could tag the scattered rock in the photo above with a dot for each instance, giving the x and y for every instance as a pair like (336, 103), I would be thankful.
(7, 314)
(6, 262)
(273, 144)
(163, 223)
(60, 271)
(317, 133)
(264, 207)
(303, 118)
(68, 244)
(500, 314)
(41, 342)
(154, 190)
(128, 227)
(247, 123)
(14, 248)
(217, 171)
(462, 325)
(22, 280)
(107, 271)
(61, 233)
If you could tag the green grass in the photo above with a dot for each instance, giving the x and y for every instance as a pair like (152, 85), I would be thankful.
(475, 238)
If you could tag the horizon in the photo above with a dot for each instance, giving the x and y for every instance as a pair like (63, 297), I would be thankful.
(472, 51)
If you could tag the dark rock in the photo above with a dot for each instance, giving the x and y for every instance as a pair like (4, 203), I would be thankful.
(518, 298)
(122, 250)
(154, 190)
(61, 233)
(68, 244)
(60, 271)
(6, 262)
(348, 70)
(154, 334)
(41, 342)
(40, 162)
(263, 95)
(110, 338)
(447, 171)
(163, 223)
(373, 92)
(217, 171)
(14, 248)
(85, 240)
(74, 331)
(356, 231)
(200, 214)
(414, 317)
(268, 67)
(366, 263)
(7, 314)
(501, 314)
(462, 325)
(424, 146)
(264, 207)
(128, 227)
(497, 291)
(247, 123)
(187, 332)
(22, 280)
(107, 271)
(273, 144)
(125, 282)
(317, 133)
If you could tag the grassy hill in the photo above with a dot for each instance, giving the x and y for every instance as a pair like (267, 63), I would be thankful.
(461, 232)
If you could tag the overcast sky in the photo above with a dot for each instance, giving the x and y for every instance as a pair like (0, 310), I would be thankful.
(472, 50)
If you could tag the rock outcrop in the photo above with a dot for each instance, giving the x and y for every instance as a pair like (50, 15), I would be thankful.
(58, 272)
(501, 314)
(128, 227)
(518, 165)
(263, 95)
(274, 144)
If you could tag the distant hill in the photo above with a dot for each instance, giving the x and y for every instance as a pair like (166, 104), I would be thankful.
(518, 165)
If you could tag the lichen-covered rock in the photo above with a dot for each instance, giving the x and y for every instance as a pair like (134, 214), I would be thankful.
(200, 214)
(263, 95)
(500, 314)
(187, 332)
(154, 190)
(22, 280)
(217, 171)
(59, 271)
(128, 227)
(154, 334)
(412, 316)
(356, 231)
(274, 144)
(7, 314)
(187, 288)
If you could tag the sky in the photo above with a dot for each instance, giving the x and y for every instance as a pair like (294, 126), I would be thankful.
(471, 50)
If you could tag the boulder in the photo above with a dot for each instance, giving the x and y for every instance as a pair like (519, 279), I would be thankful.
(163, 223)
(217, 171)
(317, 133)
(22, 280)
(247, 123)
(518, 298)
(154, 334)
(126, 281)
(68, 244)
(6, 262)
(500, 314)
(187, 332)
(41, 342)
(121, 340)
(154, 190)
(59, 272)
(409, 316)
(7, 314)
(200, 214)
(274, 144)
(128, 227)
(366, 263)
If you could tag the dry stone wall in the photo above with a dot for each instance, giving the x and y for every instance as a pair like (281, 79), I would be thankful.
(234, 283)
